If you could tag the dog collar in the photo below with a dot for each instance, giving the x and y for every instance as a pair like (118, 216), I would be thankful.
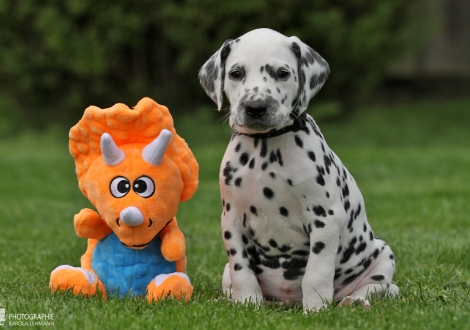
(300, 122)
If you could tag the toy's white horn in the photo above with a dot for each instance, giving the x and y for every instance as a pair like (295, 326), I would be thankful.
(154, 151)
(112, 155)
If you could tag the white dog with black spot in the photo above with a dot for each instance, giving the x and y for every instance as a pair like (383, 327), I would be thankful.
(294, 222)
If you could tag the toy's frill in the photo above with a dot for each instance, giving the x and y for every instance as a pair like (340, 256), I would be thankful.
(139, 125)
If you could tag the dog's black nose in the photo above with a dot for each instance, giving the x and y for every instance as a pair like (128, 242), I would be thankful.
(256, 109)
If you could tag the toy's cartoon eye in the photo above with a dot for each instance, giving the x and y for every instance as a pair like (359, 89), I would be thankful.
(119, 186)
(144, 186)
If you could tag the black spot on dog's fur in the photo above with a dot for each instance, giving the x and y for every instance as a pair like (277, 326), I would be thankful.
(268, 193)
(318, 247)
(264, 148)
(319, 210)
(319, 224)
(284, 211)
(298, 141)
(294, 268)
(228, 172)
(311, 155)
(253, 210)
(244, 158)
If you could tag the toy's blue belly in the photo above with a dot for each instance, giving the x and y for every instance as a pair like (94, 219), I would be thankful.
(127, 271)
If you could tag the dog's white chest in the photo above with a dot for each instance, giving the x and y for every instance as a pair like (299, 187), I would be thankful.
(260, 189)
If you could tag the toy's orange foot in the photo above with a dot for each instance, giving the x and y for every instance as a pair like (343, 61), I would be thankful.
(80, 280)
(176, 285)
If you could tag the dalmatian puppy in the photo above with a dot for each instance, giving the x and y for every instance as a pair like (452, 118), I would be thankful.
(294, 222)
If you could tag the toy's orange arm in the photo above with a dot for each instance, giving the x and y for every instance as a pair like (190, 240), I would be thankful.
(89, 224)
(173, 244)
(85, 260)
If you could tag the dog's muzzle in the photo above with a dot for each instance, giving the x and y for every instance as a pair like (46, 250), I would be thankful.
(256, 109)
(258, 115)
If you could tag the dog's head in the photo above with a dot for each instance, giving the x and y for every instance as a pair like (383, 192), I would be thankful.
(268, 79)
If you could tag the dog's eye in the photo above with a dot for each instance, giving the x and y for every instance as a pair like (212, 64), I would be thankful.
(236, 74)
(119, 187)
(144, 186)
(283, 73)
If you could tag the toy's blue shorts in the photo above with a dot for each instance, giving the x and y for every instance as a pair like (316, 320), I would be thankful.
(128, 271)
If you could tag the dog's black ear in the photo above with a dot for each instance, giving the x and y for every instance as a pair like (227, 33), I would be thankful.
(313, 71)
(212, 74)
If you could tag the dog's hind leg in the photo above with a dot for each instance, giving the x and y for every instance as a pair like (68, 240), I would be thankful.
(375, 281)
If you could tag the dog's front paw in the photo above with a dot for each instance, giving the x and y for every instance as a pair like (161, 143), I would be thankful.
(251, 297)
(245, 290)
(250, 300)
(313, 306)
(349, 301)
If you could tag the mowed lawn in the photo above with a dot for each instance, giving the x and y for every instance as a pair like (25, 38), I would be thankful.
(412, 163)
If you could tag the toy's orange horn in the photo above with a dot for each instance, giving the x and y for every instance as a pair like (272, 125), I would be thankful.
(112, 155)
(154, 151)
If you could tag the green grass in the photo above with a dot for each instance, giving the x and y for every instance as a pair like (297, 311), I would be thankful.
(412, 164)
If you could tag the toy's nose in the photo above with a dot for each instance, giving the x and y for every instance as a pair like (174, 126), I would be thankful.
(132, 216)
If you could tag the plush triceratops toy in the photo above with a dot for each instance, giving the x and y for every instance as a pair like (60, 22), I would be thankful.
(135, 170)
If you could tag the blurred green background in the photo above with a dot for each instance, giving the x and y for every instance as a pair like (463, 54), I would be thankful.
(395, 109)
(59, 56)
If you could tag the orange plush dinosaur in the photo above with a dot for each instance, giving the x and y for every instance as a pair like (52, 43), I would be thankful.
(135, 170)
